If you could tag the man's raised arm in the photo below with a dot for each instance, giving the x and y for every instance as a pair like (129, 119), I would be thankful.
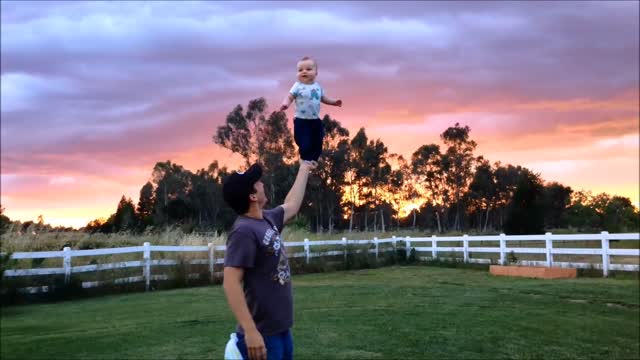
(293, 201)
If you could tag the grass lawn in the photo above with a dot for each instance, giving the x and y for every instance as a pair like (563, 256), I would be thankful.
(415, 312)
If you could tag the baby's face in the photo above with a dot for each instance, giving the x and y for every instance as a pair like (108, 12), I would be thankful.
(307, 71)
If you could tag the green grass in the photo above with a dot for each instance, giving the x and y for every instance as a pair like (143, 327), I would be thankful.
(412, 312)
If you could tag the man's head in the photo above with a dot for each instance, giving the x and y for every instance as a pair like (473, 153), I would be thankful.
(242, 189)
(307, 70)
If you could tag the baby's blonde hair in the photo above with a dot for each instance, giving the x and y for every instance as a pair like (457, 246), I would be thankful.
(305, 58)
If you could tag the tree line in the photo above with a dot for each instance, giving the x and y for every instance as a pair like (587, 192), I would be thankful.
(361, 186)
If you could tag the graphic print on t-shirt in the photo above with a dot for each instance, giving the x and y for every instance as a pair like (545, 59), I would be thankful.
(274, 245)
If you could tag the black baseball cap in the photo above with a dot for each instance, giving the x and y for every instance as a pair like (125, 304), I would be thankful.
(238, 186)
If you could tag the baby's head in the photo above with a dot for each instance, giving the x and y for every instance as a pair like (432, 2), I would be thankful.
(307, 70)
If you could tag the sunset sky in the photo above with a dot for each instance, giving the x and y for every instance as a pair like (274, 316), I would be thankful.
(94, 94)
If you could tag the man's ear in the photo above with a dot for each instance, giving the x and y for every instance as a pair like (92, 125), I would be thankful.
(253, 197)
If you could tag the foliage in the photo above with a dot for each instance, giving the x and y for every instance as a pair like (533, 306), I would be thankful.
(358, 186)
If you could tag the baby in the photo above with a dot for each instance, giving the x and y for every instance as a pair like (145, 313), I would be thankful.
(308, 131)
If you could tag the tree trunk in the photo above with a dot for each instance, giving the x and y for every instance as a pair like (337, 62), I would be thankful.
(166, 210)
(330, 222)
(215, 219)
(486, 221)
(382, 220)
(414, 219)
(375, 221)
(438, 221)
(351, 219)
(456, 223)
(366, 220)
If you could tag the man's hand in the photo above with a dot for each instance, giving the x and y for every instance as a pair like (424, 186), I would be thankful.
(339, 103)
(284, 107)
(255, 345)
(310, 165)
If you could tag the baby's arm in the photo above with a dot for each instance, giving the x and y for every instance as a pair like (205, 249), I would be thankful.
(286, 102)
(328, 101)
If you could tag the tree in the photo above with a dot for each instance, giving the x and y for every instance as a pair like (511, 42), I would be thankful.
(263, 139)
(399, 188)
(172, 184)
(355, 177)
(582, 214)
(146, 203)
(506, 180)
(327, 187)
(426, 166)
(526, 211)
(206, 198)
(4, 221)
(125, 216)
(482, 192)
(368, 170)
(556, 201)
(374, 159)
(253, 135)
(457, 163)
(100, 225)
(620, 215)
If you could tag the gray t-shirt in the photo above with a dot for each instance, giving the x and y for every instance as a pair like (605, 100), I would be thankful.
(255, 245)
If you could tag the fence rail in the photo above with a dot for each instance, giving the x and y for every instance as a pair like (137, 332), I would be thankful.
(604, 251)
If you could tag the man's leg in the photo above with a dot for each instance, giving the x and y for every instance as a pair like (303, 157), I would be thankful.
(288, 345)
(275, 347)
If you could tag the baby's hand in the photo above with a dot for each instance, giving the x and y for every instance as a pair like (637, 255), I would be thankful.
(339, 103)
(283, 107)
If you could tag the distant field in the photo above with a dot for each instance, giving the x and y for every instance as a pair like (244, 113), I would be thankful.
(50, 241)
(414, 312)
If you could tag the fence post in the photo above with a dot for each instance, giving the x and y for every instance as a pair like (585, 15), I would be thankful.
(66, 253)
(434, 247)
(146, 256)
(212, 259)
(503, 245)
(408, 246)
(605, 253)
(465, 245)
(344, 243)
(306, 249)
(393, 241)
(375, 241)
(549, 246)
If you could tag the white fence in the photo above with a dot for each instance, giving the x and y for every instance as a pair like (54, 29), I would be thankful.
(604, 251)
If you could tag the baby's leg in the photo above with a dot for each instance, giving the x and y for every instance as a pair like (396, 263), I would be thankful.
(302, 134)
(317, 139)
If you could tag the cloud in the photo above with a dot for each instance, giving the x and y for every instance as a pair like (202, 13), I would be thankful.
(629, 141)
(62, 180)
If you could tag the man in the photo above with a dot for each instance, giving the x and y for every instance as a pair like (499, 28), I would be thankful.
(257, 279)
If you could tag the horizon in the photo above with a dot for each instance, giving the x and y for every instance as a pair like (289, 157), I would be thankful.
(94, 94)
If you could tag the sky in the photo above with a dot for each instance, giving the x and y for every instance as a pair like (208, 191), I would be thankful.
(93, 94)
